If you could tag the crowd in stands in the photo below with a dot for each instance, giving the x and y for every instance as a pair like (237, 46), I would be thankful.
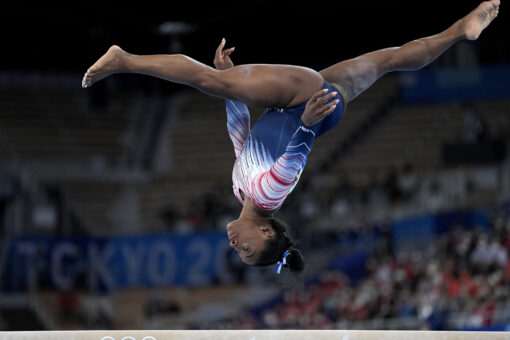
(92, 312)
(460, 283)
(321, 200)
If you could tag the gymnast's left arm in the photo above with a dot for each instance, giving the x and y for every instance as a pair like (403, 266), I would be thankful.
(222, 59)
(238, 115)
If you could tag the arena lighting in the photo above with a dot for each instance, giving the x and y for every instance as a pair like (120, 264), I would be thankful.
(253, 335)
(175, 27)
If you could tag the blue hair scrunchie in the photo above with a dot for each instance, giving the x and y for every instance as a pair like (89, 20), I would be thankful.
(282, 263)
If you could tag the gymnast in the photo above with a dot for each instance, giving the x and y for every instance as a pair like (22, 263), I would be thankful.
(302, 104)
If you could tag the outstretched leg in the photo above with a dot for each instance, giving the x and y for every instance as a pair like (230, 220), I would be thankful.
(256, 85)
(353, 76)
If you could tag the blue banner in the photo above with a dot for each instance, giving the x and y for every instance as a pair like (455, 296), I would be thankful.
(456, 84)
(417, 233)
(107, 264)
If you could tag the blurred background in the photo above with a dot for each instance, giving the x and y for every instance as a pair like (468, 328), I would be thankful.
(114, 199)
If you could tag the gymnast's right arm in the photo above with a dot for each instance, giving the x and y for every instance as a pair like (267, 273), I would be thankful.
(273, 186)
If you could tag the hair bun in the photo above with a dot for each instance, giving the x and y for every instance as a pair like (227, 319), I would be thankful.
(295, 260)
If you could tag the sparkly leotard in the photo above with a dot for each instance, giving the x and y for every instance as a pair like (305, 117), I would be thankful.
(271, 157)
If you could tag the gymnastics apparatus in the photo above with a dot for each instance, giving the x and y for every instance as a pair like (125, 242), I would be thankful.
(246, 334)
(254, 335)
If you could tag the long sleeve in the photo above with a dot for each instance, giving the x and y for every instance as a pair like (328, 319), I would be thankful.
(238, 124)
(273, 186)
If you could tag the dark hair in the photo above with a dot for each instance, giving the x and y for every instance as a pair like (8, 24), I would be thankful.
(277, 245)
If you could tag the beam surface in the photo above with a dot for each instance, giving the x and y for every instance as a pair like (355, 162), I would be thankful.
(253, 335)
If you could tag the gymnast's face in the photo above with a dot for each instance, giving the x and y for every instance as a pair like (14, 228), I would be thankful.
(248, 238)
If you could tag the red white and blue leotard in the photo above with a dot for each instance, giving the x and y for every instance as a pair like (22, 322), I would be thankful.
(271, 157)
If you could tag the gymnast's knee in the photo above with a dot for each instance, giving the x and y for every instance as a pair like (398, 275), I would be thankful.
(213, 82)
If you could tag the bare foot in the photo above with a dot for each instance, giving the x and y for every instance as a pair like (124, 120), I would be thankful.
(110, 63)
(475, 22)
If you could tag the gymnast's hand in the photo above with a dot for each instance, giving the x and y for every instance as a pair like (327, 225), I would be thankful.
(317, 108)
(222, 57)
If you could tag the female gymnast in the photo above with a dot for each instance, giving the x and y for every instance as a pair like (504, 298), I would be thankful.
(303, 104)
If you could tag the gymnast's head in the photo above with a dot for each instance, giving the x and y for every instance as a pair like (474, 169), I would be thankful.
(264, 244)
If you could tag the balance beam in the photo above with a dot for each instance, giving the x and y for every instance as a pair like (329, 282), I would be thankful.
(253, 335)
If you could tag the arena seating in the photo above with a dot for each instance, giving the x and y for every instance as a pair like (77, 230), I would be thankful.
(58, 124)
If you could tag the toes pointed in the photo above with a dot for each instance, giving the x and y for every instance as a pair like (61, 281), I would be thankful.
(85, 82)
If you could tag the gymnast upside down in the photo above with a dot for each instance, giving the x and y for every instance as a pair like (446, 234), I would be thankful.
(301, 103)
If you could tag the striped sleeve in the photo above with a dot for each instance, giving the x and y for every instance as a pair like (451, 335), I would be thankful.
(273, 186)
(238, 124)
